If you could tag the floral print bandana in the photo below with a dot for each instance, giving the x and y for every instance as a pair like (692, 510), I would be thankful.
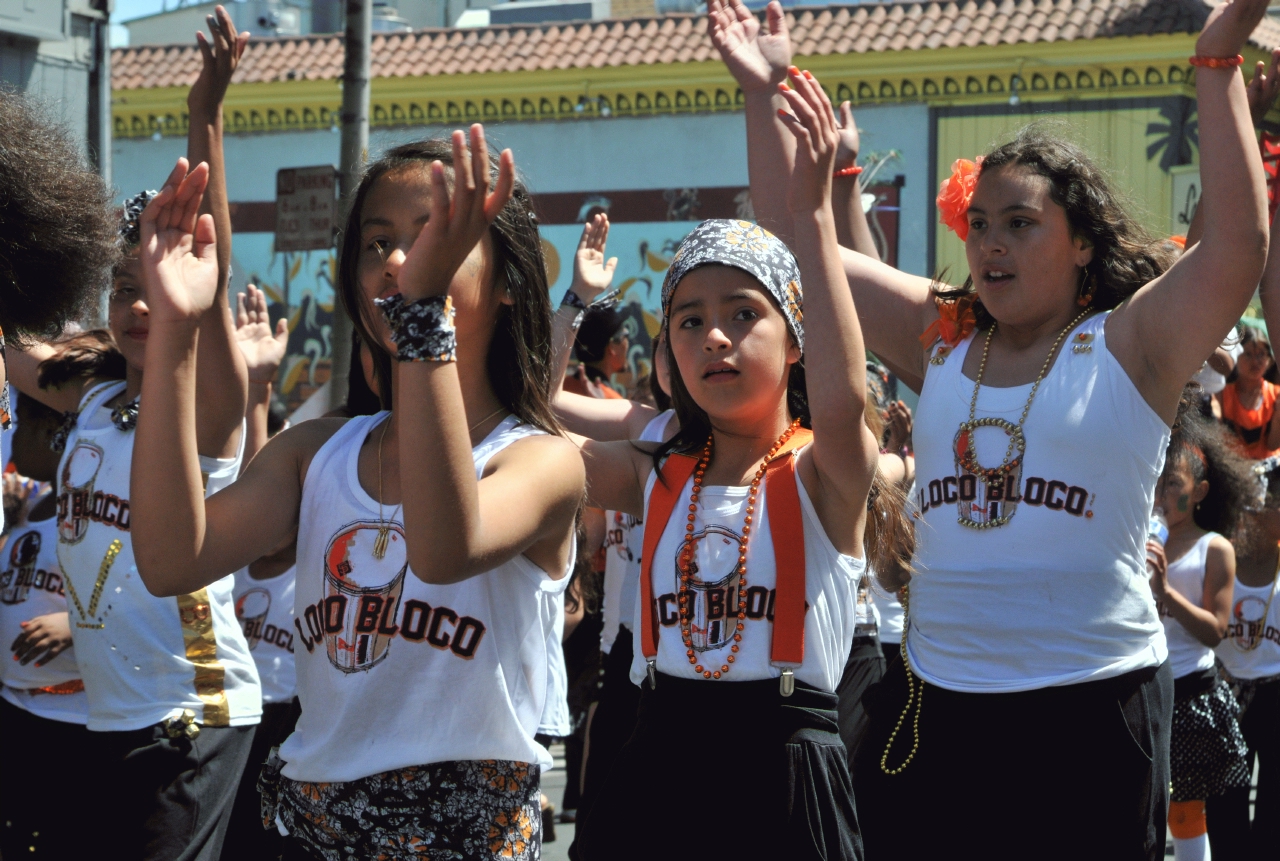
(748, 247)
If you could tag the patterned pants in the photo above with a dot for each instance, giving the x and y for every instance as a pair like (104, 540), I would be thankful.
(448, 810)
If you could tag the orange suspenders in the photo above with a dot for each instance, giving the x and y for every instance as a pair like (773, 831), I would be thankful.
(786, 530)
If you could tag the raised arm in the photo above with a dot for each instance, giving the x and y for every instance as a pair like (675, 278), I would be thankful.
(23, 367)
(844, 452)
(263, 351)
(852, 230)
(180, 541)
(597, 418)
(1162, 335)
(220, 370)
(758, 58)
(455, 526)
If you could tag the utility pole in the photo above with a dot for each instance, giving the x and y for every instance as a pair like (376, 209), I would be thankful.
(355, 147)
(99, 96)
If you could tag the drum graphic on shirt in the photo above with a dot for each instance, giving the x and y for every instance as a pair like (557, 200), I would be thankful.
(362, 595)
(1248, 613)
(251, 610)
(15, 583)
(713, 587)
(75, 491)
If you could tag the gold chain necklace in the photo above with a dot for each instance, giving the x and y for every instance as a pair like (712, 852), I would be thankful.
(965, 441)
(113, 550)
(384, 526)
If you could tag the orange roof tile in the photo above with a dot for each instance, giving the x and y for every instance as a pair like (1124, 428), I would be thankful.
(911, 26)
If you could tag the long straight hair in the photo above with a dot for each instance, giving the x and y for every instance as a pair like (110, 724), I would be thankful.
(519, 359)
(889, 536)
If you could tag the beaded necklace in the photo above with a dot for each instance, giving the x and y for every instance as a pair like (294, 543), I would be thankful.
(687, 549)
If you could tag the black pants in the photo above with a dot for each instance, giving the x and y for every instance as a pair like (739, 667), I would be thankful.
(727, 769)
(43, 785)
(246, 839)
(1231, 836)
(863, 669)
(614, 721)
(163, 799)
(1079, 771)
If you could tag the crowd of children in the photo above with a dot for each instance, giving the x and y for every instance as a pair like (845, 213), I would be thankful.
(818, 625)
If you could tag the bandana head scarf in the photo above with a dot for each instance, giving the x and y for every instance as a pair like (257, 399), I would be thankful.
(130, 226)
(744, 246)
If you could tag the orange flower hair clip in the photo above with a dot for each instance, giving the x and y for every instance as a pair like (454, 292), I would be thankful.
(954, 195)
(956, 319)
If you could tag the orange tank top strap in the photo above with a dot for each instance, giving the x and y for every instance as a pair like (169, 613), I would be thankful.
(786, 530)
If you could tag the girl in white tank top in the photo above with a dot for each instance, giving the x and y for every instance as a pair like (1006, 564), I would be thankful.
(1203, 493)
(746, 606)
(434, 541)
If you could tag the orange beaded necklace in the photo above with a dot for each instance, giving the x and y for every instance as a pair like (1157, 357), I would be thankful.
(687, 549)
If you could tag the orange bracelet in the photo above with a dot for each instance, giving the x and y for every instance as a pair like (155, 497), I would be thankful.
(848, 171)
(1217, 62)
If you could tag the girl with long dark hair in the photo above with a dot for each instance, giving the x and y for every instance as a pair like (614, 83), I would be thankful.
(434, 539)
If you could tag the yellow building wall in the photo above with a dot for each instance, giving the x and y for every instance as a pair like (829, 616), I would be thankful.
(1117, 138)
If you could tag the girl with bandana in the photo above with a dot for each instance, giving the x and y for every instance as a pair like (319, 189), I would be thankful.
(434, 538)
(173, 693)
(1033, 655)
(754, 518)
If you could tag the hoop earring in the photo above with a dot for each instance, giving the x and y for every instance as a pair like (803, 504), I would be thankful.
(1088, 286)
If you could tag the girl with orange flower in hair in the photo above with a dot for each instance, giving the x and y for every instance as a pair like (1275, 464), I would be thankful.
(1034, 661)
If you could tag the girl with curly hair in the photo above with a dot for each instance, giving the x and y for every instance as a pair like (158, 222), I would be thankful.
(1033, 653)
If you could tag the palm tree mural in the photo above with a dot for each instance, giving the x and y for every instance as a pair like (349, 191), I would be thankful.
(1176, 135)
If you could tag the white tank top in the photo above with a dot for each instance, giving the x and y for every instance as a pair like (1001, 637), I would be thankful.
(1186, 574)
(144, 659)
(831, 584)
(264, 609)
(624, 536)
(395, 672)
(30, 586)
(1059, 594)
(1251, 649)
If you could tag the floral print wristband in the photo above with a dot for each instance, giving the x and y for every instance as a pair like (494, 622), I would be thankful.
(423, 330)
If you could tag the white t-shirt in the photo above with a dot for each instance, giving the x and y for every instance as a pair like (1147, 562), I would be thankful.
(831, 583)
(144, 659)
(31, 586)
(395, 672)
(888, 611)
(1186, 574)
(1210, 380)
(264, 609)
(1251, 649)
(556, 720)
(1059, 594)
(624, 539)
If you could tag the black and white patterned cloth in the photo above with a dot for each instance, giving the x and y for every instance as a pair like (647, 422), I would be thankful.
(423, 330)
(1207, 755)
(131, 218)
(745, 246)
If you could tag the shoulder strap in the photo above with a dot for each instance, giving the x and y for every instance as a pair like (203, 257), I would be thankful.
(666, 491)
(786, 530)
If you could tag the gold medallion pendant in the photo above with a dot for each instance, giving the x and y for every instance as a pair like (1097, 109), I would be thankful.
(987, 496)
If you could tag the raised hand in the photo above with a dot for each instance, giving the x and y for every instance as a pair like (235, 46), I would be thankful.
(757, 57)
(263, 349)
(221, 57)
(817, 138)
(179, 261)
(592, 274)
(850, 143)
(459, 220)
(1228, 27)
(1263, 88)
(899, 422)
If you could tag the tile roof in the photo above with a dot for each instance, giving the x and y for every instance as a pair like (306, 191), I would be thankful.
(870, 27)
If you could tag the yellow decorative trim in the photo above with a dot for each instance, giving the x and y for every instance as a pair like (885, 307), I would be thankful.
(1140, 66)
(202, 651)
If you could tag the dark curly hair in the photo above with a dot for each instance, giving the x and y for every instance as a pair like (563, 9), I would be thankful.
(1125, 255)
(519, 360)
(58, 240)
(1205, 448)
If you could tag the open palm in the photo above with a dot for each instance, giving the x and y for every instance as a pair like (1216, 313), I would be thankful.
(263, 348)
(757, 56)
(179, 263)
(592, 273)
(1229, 26)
